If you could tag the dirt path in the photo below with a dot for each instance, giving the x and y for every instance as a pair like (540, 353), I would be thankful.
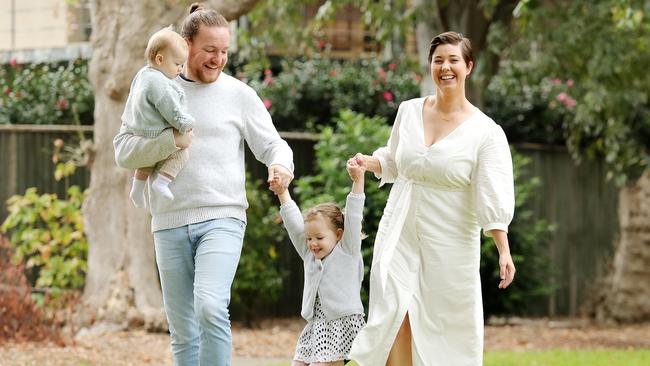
(276, 340)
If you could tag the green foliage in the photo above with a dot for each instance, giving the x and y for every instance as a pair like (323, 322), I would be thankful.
(45, 93)
(354, 133)
(604, 48)
(527, 236)
(310, 93)
(258, 281)
(47, 233)
(529, 106)
(357, 133)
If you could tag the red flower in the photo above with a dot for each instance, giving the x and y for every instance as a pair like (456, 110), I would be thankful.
(62, 104)
(7, 90)
(388, 96)
(13, 61)
(392, 66)
(321, 44)
(333, 73)
(268, 103)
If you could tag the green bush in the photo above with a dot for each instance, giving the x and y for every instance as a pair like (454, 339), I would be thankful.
(529, 106)
(527, 236)
(47, 233)
(46, 93)
(353, 133)
(258, 281)
(306, 94)
(357, 133)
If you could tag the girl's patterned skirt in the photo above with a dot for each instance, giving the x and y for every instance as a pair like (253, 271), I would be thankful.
(325, 340)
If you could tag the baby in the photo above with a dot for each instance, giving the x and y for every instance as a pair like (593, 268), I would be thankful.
(156, 103)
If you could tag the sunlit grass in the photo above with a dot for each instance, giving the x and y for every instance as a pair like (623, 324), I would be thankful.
(560, 358)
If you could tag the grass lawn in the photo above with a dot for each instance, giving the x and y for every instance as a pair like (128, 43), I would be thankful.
(561, 358)
(568, 358)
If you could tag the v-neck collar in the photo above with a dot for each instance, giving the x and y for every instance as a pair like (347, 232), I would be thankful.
(421, 127)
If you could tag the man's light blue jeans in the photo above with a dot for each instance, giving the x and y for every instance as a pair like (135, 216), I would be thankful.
(197, 264)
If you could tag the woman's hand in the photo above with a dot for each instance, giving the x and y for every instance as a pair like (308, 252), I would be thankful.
(183, 141)
(506, 270)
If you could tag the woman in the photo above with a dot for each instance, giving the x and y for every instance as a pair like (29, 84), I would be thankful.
(452, 174)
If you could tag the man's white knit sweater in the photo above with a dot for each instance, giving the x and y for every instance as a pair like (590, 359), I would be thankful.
(211, 185)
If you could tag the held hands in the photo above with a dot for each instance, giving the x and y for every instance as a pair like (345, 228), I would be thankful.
(279, 179)
(356, 167)
(506, 270)
(183, 141)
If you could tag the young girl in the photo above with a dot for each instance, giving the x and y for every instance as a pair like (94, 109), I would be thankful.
(156, 103)
(330, 246)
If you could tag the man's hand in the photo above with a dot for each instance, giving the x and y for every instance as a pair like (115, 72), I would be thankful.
(279, 178)
(183, 141)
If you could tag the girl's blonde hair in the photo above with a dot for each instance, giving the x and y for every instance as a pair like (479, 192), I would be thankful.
(332, 213)
(329, 211)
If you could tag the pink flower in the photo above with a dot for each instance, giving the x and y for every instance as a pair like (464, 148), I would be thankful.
(62, 104)
(13, 61)
(562, 97)
(556, 81)
(392, 66)
(7, 90)
(268, 80)
(268, 72)
(268, 103)
(569, 83)
(388, 96)
(416, 77)
(382, 73)
(570, 102)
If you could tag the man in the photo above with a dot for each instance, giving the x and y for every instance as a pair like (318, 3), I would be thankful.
(198, 236)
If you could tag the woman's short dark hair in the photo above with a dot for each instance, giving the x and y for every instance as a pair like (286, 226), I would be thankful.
(199, 15)
(453, 38)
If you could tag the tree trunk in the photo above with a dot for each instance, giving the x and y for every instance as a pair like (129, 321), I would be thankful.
(122, 287)
(625, 295)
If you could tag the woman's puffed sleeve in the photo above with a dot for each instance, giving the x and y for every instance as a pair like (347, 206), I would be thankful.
(386, 155)
(493, 183)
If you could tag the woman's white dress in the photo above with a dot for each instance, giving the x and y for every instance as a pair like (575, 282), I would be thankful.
(427, 252)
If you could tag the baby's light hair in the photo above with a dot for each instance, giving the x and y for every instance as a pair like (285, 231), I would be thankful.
(162, 40)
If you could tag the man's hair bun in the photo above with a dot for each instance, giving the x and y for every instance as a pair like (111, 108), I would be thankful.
(196, 6)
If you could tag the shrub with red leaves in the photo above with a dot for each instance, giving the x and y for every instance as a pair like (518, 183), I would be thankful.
(21, 318)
